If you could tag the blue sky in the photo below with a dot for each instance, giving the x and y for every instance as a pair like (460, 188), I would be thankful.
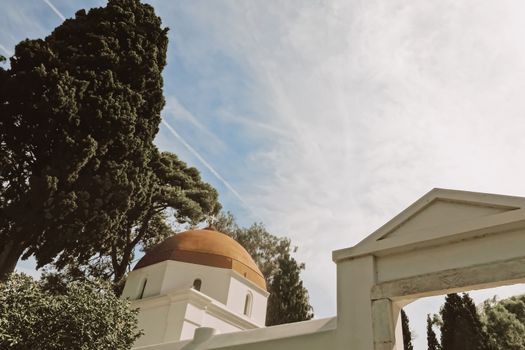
(324, 119)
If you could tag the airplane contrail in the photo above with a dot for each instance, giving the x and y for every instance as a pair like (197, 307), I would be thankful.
(206, 164)
(55, 10)
(6, 51)
(187, 145)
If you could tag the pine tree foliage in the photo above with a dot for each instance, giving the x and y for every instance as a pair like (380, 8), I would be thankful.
(504, 323)
(407, 334)
(80, 111)
(432, 342)
(179, 194)
(78, 316)
(289, 300)
(80, 176)
(461, 328)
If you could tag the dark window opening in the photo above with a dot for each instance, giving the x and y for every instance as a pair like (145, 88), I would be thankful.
(143, 288)
(197, 284)
(248, 305)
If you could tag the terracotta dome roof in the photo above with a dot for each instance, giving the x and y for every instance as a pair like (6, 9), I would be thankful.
(205, 247)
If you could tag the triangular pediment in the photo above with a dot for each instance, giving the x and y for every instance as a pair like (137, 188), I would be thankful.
(440, 213)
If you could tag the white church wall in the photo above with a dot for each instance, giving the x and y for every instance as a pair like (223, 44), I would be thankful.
(180, 275)
(153, 276)
(308, 335)
(174, 321)
(153, 322)
(201, 311)
(188, 330)
(219, 324)
(195, 313)
(239, 288)
(170, 275)
(176, 314)
(205, 311)
(193, 318)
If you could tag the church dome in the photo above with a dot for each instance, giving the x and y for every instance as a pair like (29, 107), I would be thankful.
(205, 247)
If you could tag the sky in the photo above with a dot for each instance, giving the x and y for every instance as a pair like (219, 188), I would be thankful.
(324, 119)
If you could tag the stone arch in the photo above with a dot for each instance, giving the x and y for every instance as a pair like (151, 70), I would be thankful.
(447, 241)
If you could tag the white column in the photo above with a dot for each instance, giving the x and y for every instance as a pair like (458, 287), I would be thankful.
(386, 322)
(355, 279)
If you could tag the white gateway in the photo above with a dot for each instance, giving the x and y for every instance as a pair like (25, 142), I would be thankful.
(447, 241)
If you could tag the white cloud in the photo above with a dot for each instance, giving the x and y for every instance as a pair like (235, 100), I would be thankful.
(206, 164)
(9, 53)
(176, 111)
(252, 124)
(381, 101)
(363, 106)
(18, 22)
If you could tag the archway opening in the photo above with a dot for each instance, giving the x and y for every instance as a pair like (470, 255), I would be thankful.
(418, 310)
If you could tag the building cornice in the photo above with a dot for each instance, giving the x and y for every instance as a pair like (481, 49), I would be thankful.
(190, 295)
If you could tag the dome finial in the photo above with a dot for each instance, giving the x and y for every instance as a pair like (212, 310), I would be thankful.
(212, 219)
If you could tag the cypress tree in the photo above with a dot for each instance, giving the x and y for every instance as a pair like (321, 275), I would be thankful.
(432, 341)
(78, 114)
(407, 334)
(461, 328)
(474, 320)
(288, 300)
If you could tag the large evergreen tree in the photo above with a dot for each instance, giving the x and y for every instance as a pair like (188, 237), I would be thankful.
(178, 193)
(461, 328)
(407, 334)
(78, 114)
(288, 301)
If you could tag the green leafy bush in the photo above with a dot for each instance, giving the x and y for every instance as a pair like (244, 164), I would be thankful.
(80, 315)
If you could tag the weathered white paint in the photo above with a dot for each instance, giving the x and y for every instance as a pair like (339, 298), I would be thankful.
(308, 335)
(434, 247)
(237, 296)
(447, 241)
(171, 310)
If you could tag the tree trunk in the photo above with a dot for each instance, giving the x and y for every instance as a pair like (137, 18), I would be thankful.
(9, 255)
(120, 268)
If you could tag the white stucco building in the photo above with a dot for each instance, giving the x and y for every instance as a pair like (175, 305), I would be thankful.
(447, 241)
(198, 278)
